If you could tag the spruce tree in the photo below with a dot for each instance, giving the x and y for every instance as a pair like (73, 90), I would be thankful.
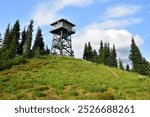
(22, 43)
(27, 46)
(7, 40)
(94, 56)
(121, 64)
(15, 39)
(136, 58)
(101, 53)
(127, 67)
(113, 58)
(106, 54)
(89, 52)
(38, 43)
(85, 52)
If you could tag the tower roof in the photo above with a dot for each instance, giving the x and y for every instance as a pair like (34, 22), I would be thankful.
(63, 20)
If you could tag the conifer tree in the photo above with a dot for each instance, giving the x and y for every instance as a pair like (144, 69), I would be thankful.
(139, 64)
(22, 43)
(127, 67)
(106, 54)
(94, 56)
(101, 53)
(121, 64)
(15, 39)
(7, 40)
(113, 57)
(85, 52)
(136, 58)
(38, 43)
(27, 45)
(89, 52)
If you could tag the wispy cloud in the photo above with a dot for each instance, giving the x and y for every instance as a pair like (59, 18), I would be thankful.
(121, 11)
(46, 12)
(114, 23)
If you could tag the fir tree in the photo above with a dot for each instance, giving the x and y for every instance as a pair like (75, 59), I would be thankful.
(89, 52)
(38, 43)
(7, 40)
(106, 54)
(85, 52)
(121, 64)
(27, 45)
(127, 67)
(136, 58)
(22, 43)
(101, 53)
(15, 39)
(113, 58)
(94, 56)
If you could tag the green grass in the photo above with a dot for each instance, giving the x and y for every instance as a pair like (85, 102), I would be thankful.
(53, 77)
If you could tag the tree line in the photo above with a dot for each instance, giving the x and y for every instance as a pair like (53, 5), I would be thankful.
(108, 56)
(19, 43)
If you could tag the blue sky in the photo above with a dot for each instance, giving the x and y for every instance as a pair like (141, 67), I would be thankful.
(114, 21)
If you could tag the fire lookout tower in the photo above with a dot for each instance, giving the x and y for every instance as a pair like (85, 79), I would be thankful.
(62, 31)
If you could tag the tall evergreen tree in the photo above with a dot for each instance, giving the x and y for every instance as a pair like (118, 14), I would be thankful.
(136, 58)
(139, 64)
(106, 54)
(38, 43)
(89, 52)
(94, 56)
(15, 39)
(27, 45)
(121, 64)
(22, 43)
(7, 40)
(85, 52)
(113, 58)
(101, 53)
(127, 67)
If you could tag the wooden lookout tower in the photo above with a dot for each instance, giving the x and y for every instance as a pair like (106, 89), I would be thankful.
(62, 31)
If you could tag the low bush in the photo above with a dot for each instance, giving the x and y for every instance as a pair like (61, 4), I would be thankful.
(9, 63)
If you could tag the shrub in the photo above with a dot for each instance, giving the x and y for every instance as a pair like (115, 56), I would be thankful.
(14, 61)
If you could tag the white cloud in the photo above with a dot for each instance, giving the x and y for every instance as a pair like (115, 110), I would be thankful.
(60, 4)
(121, 39)
(109, 24)
(121, 11)
(47, 12)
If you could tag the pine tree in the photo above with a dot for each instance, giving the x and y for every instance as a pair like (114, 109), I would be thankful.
(145, 67)
(89, 52)
(113, 58)
(38, 43)
(106, 54)
(7, 40)
(85, 52)
(15, 39)
(121, 64)
(101, 53)
(22, 43)
(27, 45)
(127, 67)
(94, 56)
(136, 58)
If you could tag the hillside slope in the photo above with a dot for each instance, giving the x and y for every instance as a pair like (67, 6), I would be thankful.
(70, 78)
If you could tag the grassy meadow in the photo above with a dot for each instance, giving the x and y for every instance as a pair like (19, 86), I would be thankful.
(52, 77)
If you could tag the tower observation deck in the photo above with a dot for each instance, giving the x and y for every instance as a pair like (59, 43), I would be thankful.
(62, 31)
